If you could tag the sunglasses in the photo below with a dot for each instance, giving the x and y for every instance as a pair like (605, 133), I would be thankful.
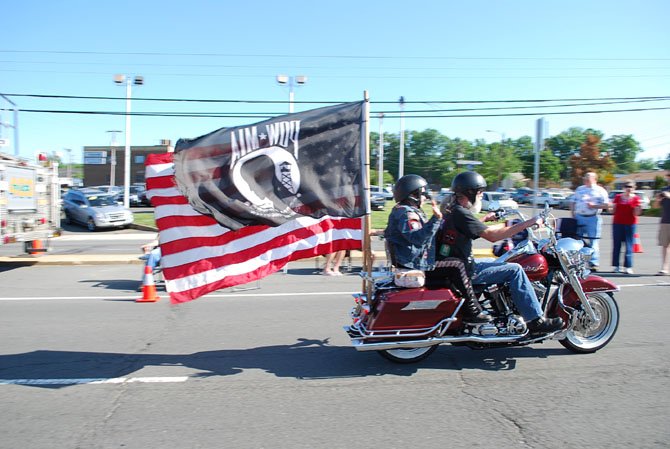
(630, 187)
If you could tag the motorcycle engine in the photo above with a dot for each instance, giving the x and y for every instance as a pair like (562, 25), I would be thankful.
(515, 325)
(540, 290)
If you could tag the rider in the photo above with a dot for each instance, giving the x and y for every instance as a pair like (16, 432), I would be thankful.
(411, 237)
(461, 227)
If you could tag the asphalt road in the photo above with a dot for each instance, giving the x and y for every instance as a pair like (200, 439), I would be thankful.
(84, 366)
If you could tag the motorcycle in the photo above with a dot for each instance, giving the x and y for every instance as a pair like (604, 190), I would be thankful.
(405, 325)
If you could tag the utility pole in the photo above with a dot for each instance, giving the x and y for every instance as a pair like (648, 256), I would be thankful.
(380, 153)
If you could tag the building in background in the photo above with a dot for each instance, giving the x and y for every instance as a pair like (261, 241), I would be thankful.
(99, 160)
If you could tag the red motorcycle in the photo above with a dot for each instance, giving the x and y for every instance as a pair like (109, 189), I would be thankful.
(406, 325)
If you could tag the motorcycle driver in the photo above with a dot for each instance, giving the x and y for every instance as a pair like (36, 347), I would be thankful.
(461, 227)
(411, 240)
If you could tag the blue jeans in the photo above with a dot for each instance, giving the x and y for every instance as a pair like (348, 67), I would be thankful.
(154, 258)
(590, 228)
(622, 233)
(521, 289)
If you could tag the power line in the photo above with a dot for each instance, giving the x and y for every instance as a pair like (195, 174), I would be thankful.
(269, 115)
(545, 100)
(344, 56)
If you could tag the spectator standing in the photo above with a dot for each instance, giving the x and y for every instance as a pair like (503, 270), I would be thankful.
(627, 206)
(590, 200)
(663, 202)
(334, 259)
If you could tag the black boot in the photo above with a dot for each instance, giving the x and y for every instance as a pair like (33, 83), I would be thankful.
(472, 314)
(543, 325)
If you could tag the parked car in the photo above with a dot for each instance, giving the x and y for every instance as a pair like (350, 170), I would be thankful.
(566, 203)
(95, 209)
(388, 194)
(523, 195)
(443, 194)
(497, 200)
(377, 201)
(134, 195)
(646, 196)
(553, 199)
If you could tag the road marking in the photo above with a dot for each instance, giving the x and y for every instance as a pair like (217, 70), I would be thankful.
(656, 284)
(246, 295)
(98, 237)
(211, 295)
(93, 381)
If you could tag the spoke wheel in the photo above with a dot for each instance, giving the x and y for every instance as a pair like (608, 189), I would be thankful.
(587, 337)
(411, 355)
(90, 224)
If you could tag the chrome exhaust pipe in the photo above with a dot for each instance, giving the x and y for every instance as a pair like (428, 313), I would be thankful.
(360, 344)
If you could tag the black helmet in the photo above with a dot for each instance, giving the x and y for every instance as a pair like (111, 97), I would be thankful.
(406, 185)
(468, 183)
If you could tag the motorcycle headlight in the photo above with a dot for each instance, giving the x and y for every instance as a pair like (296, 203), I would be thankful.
(586, 254)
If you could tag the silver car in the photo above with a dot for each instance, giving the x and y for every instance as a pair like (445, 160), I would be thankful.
(95, 209)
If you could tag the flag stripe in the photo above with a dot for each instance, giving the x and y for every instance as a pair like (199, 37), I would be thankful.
(200, 256)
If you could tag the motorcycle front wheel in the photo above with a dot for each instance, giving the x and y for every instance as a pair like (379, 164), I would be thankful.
(411, 355)
(587, 337)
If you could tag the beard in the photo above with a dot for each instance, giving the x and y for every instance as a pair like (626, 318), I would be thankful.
(476, 207)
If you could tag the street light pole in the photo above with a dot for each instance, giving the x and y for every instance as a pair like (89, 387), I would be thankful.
(401, 158)
(291, 81)
(68, 171)
(128, 81)
(112, 157)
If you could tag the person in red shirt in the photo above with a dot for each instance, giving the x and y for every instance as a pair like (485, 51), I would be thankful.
(627, 206)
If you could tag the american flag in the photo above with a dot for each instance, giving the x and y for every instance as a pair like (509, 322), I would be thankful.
(199, 255)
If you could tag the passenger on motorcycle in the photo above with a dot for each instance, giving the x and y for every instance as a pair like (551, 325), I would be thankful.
(461, 227)
(410, 238)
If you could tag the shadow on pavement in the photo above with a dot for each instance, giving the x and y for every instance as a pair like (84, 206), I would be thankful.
(306, 359)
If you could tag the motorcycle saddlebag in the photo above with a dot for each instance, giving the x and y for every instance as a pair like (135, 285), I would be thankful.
(416, 308)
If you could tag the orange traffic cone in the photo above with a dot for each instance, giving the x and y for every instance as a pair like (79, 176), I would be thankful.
(35, 247)
(148, 286)
(637, 244)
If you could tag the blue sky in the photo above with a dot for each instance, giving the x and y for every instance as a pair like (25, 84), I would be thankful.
(426, 51)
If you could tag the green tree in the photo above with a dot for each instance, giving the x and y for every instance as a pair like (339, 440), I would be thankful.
(623, 150)
(646, 164)
(499, 160)
(428, 155)
(666, 164)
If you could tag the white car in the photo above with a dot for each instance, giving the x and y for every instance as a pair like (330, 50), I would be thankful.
(551, 198)
(388, 194)
(498, 200)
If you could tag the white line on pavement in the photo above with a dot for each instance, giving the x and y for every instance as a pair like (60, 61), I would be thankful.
(93, 381)
(211, 295)
(243, 295)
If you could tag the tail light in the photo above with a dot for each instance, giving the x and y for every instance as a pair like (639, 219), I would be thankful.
(3, 223)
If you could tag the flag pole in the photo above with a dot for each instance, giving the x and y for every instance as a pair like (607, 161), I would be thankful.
(367, 220)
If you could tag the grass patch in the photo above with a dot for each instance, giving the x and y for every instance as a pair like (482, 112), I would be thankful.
(379, 217)
(144, 218)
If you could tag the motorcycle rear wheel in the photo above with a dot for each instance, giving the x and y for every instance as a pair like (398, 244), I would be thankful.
(586, 340)
(411, 355)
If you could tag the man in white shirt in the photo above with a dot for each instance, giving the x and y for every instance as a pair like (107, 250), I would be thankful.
(590, 200)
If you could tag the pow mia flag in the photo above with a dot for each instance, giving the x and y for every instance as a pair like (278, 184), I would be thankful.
(271, 172)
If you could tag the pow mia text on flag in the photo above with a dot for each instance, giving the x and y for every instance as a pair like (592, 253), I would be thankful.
(304, 164)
